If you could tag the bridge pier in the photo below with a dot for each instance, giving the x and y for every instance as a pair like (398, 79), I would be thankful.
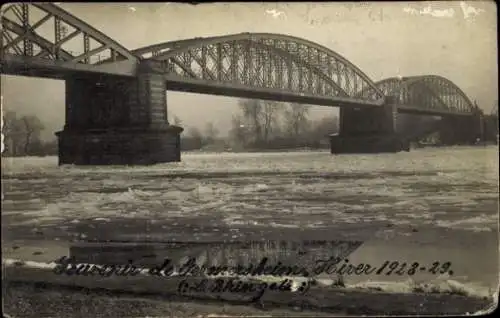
(367, 130)
(462, 130)
(113, 120)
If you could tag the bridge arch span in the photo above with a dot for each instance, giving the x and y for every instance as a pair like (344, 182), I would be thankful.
(427, 92)
(264, 60)
(23, 42)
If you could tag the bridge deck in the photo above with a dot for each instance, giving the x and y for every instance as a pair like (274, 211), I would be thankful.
(176, 83)
(38, 67)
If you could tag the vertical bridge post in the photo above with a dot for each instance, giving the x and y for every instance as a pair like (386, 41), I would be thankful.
(117, 120)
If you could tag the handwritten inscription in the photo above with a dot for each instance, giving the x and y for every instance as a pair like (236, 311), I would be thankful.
(241, 278)
(65, 265)
(336, 266)
(330, 266)
(236, 286)
(191, 268)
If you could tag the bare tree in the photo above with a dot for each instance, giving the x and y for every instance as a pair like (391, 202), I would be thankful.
(296, 119)
(194, 132)
(324, 127)
(195, 137)
(14, 133)
(252, 109)
(260, 117)
(211, 133)
(494, 110)
(32, 127)
(239, 131)
(269, 119)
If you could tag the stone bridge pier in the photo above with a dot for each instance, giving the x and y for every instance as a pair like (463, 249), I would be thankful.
(462, 130)
(368, 130)
(117, 120)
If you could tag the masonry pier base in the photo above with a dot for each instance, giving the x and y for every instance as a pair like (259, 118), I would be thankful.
(130, 146)
(368, 130)
(462, 130)
(113, 120)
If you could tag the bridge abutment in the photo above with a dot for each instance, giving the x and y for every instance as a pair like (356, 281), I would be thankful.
(113, 120)
(367, 130)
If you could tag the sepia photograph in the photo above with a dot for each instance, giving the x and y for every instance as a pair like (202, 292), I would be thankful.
(236, 159)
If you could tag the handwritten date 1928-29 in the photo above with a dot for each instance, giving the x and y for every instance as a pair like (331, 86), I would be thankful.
(335, 266)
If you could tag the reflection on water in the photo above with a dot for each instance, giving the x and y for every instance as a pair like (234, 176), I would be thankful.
(450, 188)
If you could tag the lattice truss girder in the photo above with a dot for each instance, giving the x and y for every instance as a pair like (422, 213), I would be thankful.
(427, 92)
(43, 30)
(272, 61)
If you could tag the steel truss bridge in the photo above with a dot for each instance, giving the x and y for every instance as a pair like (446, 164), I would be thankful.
(43, 40)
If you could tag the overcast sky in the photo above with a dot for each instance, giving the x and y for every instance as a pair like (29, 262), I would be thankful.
(456, 40)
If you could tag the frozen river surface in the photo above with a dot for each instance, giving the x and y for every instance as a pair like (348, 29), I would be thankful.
(454, 188)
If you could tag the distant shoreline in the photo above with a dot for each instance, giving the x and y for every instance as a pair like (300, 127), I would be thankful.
(278, 150)
(304, 149)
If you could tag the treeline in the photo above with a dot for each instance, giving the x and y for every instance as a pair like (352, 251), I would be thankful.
(259, 125)
(262, 125)
(21, 136)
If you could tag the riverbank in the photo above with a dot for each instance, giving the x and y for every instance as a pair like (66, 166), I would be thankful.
(437, 145)
(28, 264)
(35, 300)
(27, 284)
